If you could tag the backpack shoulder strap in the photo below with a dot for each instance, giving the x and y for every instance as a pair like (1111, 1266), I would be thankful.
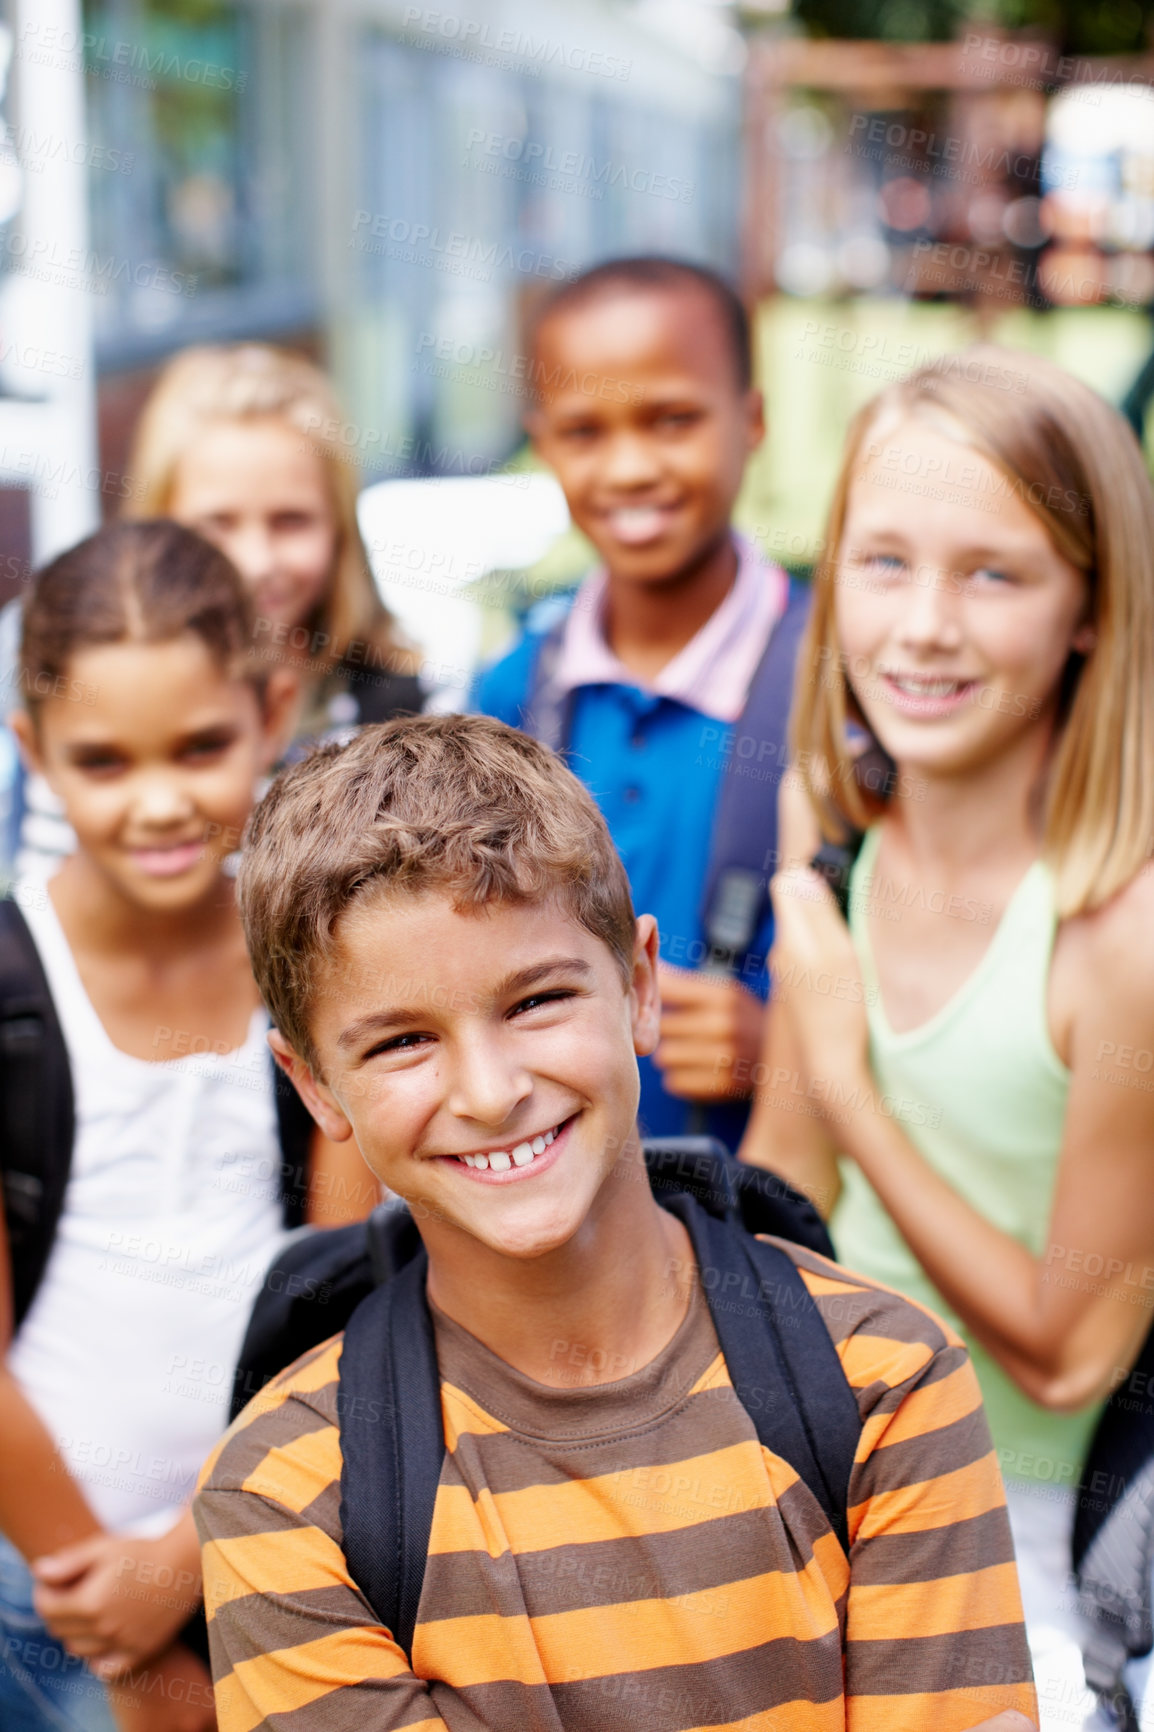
(743, 855)
(37, 1119)
(761, 1201)
(782, 1362)
(548, 711)
(311, 1289)
(1113, 1537)
(392, 1446)
(781, 1359)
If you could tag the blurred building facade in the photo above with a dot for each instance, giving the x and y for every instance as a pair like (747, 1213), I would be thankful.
(386, 186)
(992, 170)
(391, 185)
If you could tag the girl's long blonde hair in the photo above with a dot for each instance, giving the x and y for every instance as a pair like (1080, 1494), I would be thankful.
(1074, 461)
(243, 381)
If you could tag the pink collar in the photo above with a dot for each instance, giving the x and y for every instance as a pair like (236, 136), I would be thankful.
(712, 673)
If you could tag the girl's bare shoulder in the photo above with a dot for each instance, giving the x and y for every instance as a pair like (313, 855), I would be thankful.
(1106, 956)
(1124, 924)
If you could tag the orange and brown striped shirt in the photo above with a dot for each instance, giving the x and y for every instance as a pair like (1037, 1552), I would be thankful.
(628, 1557)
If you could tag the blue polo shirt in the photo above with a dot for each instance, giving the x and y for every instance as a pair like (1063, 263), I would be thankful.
(654, 766)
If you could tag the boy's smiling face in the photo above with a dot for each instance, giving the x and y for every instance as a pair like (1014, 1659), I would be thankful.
(646, 425)
(505, 1035)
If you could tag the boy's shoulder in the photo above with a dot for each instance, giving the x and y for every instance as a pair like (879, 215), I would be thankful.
(285, 1442)
(502, 688)
(924, 1433)
(885, 1341)
(887, 1345)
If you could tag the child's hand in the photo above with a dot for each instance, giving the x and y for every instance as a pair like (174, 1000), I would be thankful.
(710, 1035)
(173, 1694)
(816, 973)
(116, 1599)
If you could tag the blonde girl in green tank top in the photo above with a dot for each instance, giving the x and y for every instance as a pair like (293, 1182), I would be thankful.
(963, 1077)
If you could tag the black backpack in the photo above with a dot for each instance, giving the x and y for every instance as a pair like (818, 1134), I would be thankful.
(1113, 1549)
(743, 852)
(370, 1279)
(37, 1120)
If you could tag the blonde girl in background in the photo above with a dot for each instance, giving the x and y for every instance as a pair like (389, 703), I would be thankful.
(939, 1073)
(241, 443)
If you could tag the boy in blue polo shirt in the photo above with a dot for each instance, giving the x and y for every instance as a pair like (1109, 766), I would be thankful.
(645, 409)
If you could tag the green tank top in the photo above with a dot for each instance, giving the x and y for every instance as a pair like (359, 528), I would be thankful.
(980, 1091)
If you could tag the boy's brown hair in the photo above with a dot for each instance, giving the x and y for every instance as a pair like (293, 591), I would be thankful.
(458, 804)
(650, 273)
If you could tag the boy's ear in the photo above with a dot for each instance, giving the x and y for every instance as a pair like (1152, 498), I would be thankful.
(645, 992)
(21, 724)
(318, 1098)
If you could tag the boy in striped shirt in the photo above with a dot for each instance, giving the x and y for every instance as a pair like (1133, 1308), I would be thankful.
(444, 937)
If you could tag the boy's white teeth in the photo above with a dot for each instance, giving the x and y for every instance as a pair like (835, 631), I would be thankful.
(500, 1160)
(638, 522)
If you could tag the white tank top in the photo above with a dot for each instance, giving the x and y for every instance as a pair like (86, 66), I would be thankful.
(171, 1216)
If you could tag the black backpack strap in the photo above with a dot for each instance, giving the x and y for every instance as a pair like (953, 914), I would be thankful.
(782, 1362)
(744, 851)
(781, 1358)
(392, 1446)
(295, 1129)
(547, 713)
(37, 1116)
(744, 854)
(1113, 1538)
(762, 1201)
(313, 1286)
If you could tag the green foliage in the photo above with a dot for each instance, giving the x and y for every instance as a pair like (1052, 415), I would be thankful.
(1074, 26)
(883, 20)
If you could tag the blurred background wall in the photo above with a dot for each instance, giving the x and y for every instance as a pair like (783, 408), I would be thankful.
(384, 185)
(391, 188)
